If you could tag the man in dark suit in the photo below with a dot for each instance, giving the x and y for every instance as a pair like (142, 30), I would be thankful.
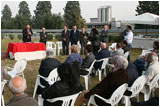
(74, 36)
(65, 40)
(104, 53)
(83, 40)
(88, 60)
(104, 34)
(47, 65)
(110, 83)
(43, 36)
(27, 33)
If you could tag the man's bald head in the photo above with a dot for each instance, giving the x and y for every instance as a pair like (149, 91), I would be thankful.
(17, 85)
(103, 45)
(28, 27)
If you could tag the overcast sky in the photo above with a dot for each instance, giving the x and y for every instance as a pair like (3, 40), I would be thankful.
(120, 9)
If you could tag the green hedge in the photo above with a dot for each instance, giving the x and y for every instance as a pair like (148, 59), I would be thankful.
(115, 38)
(19, 37)
(50, 36)
(58, 37)
(2, 36)
(11, 36)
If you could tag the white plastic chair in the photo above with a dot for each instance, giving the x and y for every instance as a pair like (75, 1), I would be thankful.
(135, 89)
(87, 77)
(114, 99)
(103, 67)
(67, 100)
(18, 69)
(79, 46)
(112, 46)
(3, 82)
(50, 45)
(59, 47)
(152, 85)
(145, 52)
(126, 54)
(53, 77)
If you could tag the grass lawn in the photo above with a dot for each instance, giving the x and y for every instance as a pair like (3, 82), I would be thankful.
(32, 68)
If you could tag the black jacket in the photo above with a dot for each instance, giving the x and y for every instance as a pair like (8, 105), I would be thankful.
(88, 61)
(65, 35)
(43, 37)
(83, 40)
(47, 65)
(108, 85)
(74, 37)
(26, 36)
(126, 49)
(94, 38)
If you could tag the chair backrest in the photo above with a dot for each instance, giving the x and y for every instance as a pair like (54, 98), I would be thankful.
(91, 67)
(49, 44)
(59, 44)
(105, 62)
(145, 52)
(118, 94)
(138, 84)
(67, 100)
(20, 65)
(53, 76)
(126, 54)
(113, 45)
(154, 81)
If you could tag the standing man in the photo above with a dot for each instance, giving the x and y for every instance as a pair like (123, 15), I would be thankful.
(83, 40)
(104, 34)
(43, 36)
(27, 33)
(74, 37)
(129, 36)
(65, 40)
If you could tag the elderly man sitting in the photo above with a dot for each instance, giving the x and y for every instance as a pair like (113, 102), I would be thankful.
(17, 86)
(119, 51)
(110, 83)
(47, 65)
(104, 53)
(151, 65)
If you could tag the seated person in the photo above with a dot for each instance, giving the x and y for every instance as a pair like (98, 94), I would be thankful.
(151, 65)
(75, 56)
(125, 46)
(88, 60)
(104, 53)
(69, 84)
(110, 83)
(47, 65)
(18, 86)
(131, 70)
(156, 47)
(119, 51)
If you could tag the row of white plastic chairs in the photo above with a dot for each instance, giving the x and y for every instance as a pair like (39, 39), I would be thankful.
(59, 47)
(117, 95)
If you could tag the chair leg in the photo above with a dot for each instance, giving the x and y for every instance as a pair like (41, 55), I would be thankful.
(35, 87)
(2, 100)
(146, 96)
(127, 101)
(86, 82)
(100, 74)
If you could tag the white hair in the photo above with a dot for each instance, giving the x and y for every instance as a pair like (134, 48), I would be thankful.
(50, 53)
(122, 62)
(154, 57)
(19, 90)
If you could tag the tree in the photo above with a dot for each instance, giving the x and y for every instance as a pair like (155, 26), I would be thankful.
(6, 13)
(42, 8)
(24, 10)
(72, 14)
(147, 6)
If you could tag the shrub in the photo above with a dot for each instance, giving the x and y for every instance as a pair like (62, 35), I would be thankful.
(58, 37)
(50, 36)
(2, 36)
(115, 38)
(11, 36)
(19, 36)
